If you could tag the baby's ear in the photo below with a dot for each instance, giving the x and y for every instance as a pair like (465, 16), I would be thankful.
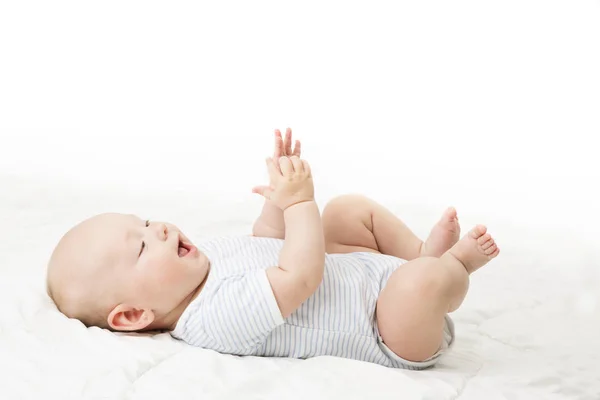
(127, 318)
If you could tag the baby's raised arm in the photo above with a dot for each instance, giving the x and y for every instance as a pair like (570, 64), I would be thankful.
(270, 223)
(302, 258)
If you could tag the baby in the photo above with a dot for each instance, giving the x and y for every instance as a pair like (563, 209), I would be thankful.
(354, 282)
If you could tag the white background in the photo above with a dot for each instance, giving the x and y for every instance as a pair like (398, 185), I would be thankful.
(493, 107)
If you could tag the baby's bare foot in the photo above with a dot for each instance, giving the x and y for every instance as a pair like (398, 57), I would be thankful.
(475, 249)
(443, 235)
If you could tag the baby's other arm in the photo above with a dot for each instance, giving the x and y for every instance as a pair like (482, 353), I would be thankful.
(302, 259)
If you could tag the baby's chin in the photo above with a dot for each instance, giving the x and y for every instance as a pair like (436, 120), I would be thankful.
(203, 268)
(198, 271)
(195, 290)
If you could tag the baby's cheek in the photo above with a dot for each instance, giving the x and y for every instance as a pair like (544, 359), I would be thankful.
(170, 276)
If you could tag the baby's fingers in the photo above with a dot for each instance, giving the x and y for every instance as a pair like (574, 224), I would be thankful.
(286, 166)
(288, 142)
(274, 172)
(278, 152)
(297, 163)
(306, 168)
(297, 148)
(264, 191)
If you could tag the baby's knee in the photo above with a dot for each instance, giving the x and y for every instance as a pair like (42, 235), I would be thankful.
(347, 206)
(431, 279)
(347, 201)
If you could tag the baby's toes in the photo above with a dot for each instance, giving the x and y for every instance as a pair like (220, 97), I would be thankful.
(484, 239)
(490, 250)
(456, 225)
(486, 245)
(478, 231)
(495, 253)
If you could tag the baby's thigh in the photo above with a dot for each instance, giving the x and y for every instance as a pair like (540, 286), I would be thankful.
(411, 310)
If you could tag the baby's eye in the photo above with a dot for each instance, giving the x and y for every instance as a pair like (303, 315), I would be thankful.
(147, 223)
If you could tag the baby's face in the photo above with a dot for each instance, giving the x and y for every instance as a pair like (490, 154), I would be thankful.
(153, 264)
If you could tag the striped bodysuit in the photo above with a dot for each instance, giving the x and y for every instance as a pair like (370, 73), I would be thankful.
(236, 311)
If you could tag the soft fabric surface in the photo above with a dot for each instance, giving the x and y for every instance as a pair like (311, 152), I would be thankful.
(528, 329)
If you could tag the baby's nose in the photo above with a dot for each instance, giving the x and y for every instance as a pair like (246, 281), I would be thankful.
(162, 231)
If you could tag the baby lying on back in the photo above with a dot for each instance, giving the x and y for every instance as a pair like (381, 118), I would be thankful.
(354, 282)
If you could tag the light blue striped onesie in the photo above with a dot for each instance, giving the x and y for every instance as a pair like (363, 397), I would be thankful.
(236, 311)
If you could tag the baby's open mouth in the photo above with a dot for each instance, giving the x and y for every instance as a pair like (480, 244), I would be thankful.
(183, 249)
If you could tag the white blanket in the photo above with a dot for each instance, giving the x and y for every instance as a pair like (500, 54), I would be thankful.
(529, 328)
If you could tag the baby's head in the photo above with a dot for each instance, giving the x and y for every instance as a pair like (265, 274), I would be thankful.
(120, 272)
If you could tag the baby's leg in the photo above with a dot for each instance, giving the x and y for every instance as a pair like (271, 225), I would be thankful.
(412, 306)
(354, 223)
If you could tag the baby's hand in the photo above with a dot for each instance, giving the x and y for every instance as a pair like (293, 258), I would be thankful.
(290, 184)
(283, 148)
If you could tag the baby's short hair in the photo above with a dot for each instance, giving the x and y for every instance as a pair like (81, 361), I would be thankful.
(74, 284)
